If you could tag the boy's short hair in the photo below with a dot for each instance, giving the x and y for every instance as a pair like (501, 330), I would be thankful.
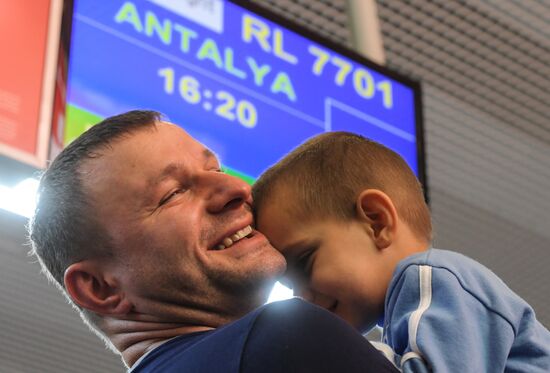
(327, 173)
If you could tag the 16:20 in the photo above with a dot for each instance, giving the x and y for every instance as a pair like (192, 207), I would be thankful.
(227, 106)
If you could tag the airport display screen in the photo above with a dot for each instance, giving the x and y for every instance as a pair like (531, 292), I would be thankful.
(246, 86)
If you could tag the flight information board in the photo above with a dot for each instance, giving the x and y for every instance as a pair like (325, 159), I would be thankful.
(249, 88)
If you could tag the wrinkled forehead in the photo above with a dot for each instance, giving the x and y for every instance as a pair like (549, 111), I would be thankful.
(133, 160)
(146, 145)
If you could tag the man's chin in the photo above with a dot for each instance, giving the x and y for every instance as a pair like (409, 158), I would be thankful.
(252, 294)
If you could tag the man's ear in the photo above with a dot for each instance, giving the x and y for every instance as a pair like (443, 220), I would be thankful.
(377, 211)
(91, 288)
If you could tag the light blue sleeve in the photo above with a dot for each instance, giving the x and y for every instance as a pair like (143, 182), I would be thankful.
(432, 322)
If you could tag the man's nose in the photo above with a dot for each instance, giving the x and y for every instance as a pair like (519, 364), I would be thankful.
(226, 192)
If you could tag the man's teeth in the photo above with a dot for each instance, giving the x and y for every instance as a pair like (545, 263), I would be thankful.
(228, 241)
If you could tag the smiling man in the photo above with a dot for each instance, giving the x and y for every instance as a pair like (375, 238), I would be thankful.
(154, 245)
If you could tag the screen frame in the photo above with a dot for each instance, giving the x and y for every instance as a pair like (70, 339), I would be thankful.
(270, 15)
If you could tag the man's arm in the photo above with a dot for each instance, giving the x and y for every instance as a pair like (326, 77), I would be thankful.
(295, 336)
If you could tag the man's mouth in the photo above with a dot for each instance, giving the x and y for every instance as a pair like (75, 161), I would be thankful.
(235, 237)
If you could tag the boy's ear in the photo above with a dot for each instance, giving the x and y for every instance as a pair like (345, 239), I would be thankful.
(90, 287)
(377, 211)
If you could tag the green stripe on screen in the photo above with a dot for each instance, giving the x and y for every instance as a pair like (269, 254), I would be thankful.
(79, 120)
(249, 179)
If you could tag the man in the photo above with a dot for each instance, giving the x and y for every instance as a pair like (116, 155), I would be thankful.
(155, 245)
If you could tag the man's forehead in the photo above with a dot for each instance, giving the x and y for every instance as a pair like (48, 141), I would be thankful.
(199, 150)
(152, 150)
(147, 141)
(128, 170)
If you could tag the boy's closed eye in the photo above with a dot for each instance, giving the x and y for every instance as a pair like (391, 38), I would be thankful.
(299, 270)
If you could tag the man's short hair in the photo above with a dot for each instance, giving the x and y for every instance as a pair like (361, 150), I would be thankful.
(65, 228)
(327, 173)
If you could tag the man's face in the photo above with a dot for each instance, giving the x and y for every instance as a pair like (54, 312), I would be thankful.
(181, 228)
(332, 263)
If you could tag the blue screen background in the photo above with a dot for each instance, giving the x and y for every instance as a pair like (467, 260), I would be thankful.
(114, 67)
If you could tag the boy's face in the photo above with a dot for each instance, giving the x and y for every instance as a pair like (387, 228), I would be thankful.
(332, 263)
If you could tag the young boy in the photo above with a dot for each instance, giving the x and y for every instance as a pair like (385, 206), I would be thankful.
(350, 217)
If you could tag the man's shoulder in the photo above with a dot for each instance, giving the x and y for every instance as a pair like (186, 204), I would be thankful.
(295, 314)
(276, 315)
(295, 335)
(290, 335)
(293, 307)
(194, 351)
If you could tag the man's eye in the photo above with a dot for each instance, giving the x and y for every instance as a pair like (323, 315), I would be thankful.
(169, 196)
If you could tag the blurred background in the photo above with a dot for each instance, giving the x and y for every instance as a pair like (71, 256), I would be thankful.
(484, 70)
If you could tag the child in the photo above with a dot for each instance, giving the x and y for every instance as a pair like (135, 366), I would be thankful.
(349, 216)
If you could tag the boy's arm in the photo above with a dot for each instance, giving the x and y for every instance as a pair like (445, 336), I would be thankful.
(431, 319)
(295, 336)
